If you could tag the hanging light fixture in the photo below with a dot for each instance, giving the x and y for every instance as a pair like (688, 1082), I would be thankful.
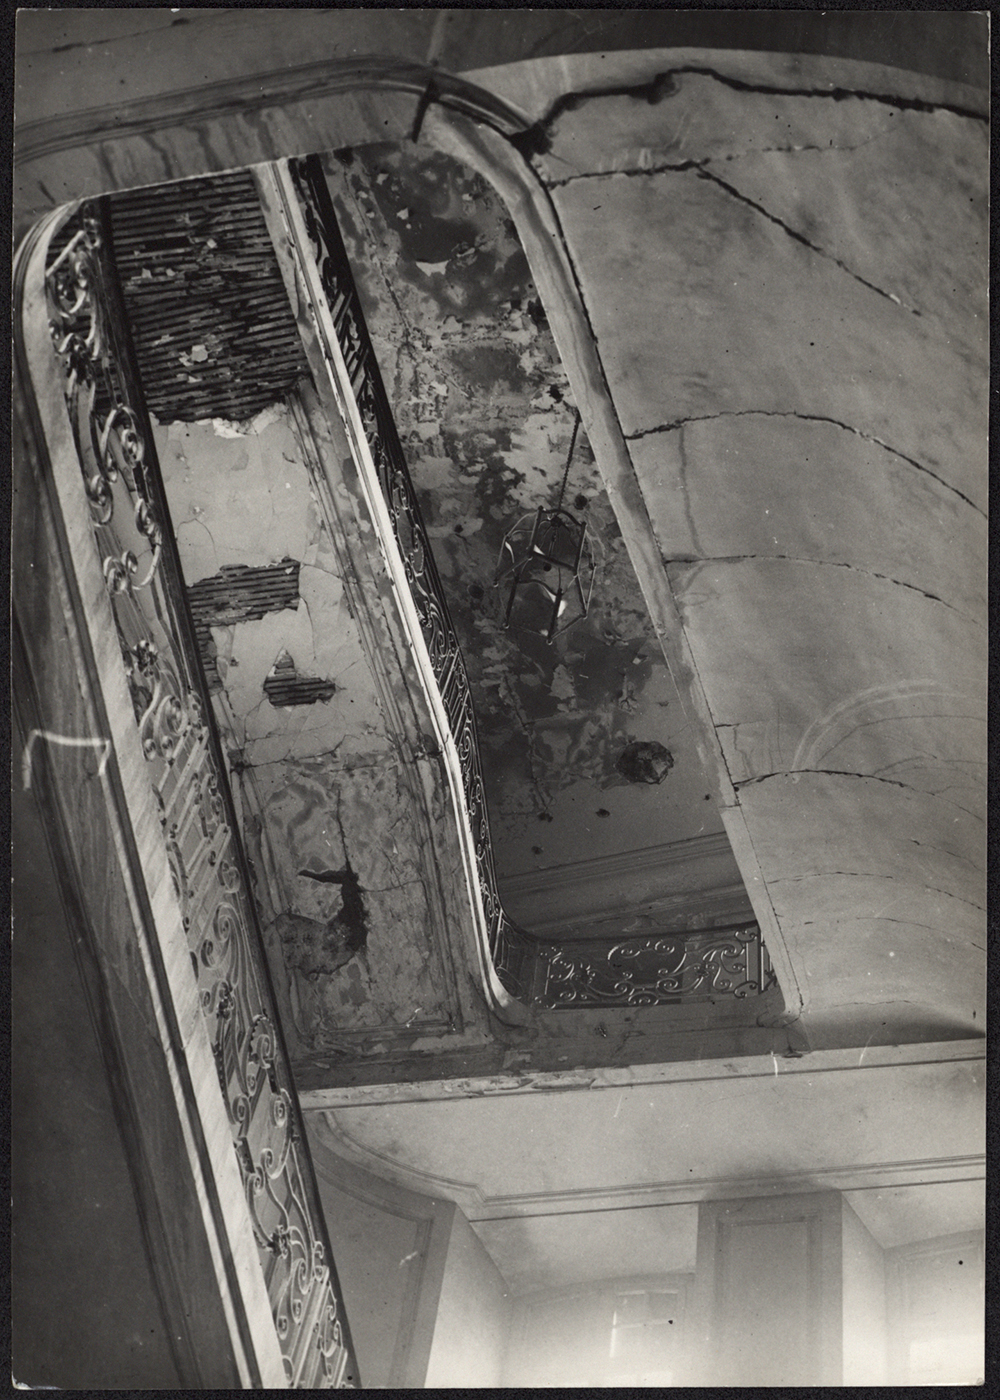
(547, 562)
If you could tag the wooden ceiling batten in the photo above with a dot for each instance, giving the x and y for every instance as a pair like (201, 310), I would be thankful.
(204, 295)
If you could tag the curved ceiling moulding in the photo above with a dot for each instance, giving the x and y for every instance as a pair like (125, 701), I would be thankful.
(312, 82)
(537, 81)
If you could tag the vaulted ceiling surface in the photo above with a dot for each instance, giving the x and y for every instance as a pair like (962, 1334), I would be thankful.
(486, 418)
(788, 295)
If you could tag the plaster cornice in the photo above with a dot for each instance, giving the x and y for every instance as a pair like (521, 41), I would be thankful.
(256, 92)
(332, 1131)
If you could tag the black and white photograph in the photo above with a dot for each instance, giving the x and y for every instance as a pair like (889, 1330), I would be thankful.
(498, 697)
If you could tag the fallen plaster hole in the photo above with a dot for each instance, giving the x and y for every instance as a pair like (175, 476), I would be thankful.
(644, 761)
(284, 687)
(318, 949)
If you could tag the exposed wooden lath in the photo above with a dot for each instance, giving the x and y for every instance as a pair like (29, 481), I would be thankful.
(239, 593)
(284, 687)
(213, 330)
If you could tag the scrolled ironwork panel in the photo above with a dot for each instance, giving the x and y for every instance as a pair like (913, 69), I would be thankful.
(120, 479)
(656, 970)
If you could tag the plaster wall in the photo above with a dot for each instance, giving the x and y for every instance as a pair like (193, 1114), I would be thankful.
(369, 1245)
(390, 1247)
(936, 1311)
(427, 1304)
(863, 1297)
(473, 1316)
(559, 1341)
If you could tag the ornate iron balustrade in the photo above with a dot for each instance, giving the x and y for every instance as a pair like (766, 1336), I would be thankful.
(651, 971)
(120, 478)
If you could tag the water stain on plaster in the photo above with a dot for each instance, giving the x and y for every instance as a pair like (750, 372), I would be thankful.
(445, 230)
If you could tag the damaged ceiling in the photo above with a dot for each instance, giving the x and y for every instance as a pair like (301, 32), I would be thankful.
(584, 743)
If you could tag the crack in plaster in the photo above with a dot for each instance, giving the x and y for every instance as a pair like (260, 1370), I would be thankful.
(544, 798)
(889, 1001)
(367, 765)
(196, 520)
(806, 418)
(673, 167)
(826, 564)
(941, 850)
(824, 772)
(868, 875)
(751, 152)
(665, 168)
(536, 140)
(705, 174)
(688, 509)
(846, 773)
(413, 346)
(834, 921)
(702, 171)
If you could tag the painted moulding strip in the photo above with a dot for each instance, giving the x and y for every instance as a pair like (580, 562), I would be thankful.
(851, 1176)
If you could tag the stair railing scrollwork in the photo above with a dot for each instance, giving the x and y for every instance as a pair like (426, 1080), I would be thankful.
(653, 971)
(119, 475)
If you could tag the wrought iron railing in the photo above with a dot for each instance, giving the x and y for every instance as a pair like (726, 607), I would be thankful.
(120, 478)
(650, 971)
